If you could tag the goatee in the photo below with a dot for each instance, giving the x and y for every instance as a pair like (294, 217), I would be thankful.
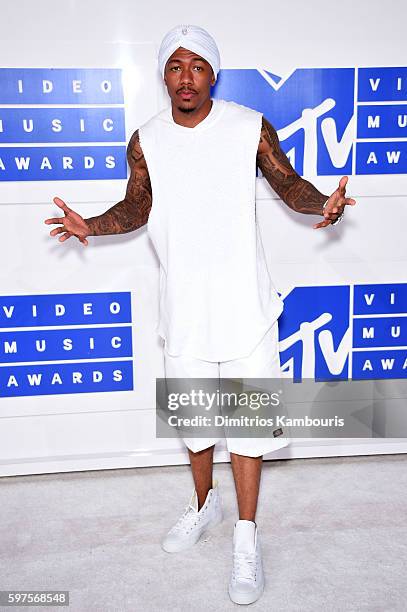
(185, 110)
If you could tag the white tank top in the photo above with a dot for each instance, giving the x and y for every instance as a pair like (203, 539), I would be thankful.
(217, 299)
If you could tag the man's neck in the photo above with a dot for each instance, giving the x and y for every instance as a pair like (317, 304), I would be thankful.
(193, 118)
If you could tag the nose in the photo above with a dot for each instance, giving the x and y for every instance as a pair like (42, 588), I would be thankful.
(186, 76)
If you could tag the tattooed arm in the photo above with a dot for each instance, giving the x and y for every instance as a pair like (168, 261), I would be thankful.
(298, 194)
(132, 212)
(126, 216)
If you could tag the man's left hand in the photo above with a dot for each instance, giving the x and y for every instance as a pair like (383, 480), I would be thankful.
(336, 204)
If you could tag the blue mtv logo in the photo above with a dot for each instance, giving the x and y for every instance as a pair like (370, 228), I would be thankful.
(315, 336)
(313, 111)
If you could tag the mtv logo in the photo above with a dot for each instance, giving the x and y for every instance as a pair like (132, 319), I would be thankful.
(314, 333)
(312, 110)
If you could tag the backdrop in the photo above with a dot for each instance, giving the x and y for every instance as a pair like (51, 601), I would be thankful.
(79, 351)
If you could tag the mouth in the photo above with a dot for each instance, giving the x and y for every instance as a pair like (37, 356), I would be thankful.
(186, 94)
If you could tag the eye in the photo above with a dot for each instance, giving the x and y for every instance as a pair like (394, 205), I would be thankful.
(173, 68)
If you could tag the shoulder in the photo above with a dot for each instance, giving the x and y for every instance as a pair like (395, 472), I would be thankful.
(246, 119)
(142, 134)
(240, 110)
(135, 153)
(269, 140)
(163, 115)
(133, 143)
(151, 131)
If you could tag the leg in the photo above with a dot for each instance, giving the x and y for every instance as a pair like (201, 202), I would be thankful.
(246, 454)
(204, 509)
(262, 363)
(246, 583)
(202, 472)
(200, 450)
(246, 474)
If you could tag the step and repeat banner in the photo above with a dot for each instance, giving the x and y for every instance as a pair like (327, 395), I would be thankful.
(77, 108)
(332, 121)
(79, 353)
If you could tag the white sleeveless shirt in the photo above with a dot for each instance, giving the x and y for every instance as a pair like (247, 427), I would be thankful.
(217, 299)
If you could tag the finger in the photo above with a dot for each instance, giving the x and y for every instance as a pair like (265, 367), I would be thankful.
(65, 236)
(84, 241)
(342, 185)
(322, 224)
(342, 203)
(55, 220)
(57, 230)
(62, 205)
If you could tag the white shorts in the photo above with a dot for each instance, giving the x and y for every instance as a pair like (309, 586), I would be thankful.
(263, 362)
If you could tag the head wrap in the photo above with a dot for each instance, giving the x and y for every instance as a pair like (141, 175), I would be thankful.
(194, 39)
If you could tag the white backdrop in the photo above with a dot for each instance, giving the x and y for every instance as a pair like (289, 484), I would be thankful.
(102, 430)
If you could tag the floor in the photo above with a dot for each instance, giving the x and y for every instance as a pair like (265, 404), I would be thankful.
(333, 533)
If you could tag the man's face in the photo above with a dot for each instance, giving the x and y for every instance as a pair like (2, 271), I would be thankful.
(188, 78)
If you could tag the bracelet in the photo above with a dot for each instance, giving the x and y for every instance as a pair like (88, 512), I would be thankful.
(339, 219)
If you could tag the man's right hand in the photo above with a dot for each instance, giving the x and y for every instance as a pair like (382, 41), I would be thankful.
(72, 224)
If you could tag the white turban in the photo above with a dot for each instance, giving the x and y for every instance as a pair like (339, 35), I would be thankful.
(194, 39)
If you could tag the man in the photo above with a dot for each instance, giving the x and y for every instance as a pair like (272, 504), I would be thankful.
(218, 305)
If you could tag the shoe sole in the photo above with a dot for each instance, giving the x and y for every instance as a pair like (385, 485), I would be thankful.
(214, 523)
(245, 598)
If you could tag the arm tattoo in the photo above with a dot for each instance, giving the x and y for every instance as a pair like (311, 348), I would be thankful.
(297, 193)
(132, 212)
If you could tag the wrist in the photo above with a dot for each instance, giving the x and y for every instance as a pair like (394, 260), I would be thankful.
(339, 217)
(91, 227)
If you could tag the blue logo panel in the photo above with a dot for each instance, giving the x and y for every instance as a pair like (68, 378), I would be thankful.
(389, 121)
(379, 364)
(381, 157)
(314, 332)
(106, 333)
(385, 329)
(52, 379)
(312, 108)
(315, 109)
(380, 299)
(380, 331)
(61, 86)
(384, 84)
(94, 114)
(62, 125)
(65, 309)
(62, 163)
(51, 345)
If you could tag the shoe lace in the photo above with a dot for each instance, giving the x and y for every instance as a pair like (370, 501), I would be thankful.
(244, 566)
(188, 520)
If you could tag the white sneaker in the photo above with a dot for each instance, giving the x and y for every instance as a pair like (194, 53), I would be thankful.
(189, 528)
(247, 579)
